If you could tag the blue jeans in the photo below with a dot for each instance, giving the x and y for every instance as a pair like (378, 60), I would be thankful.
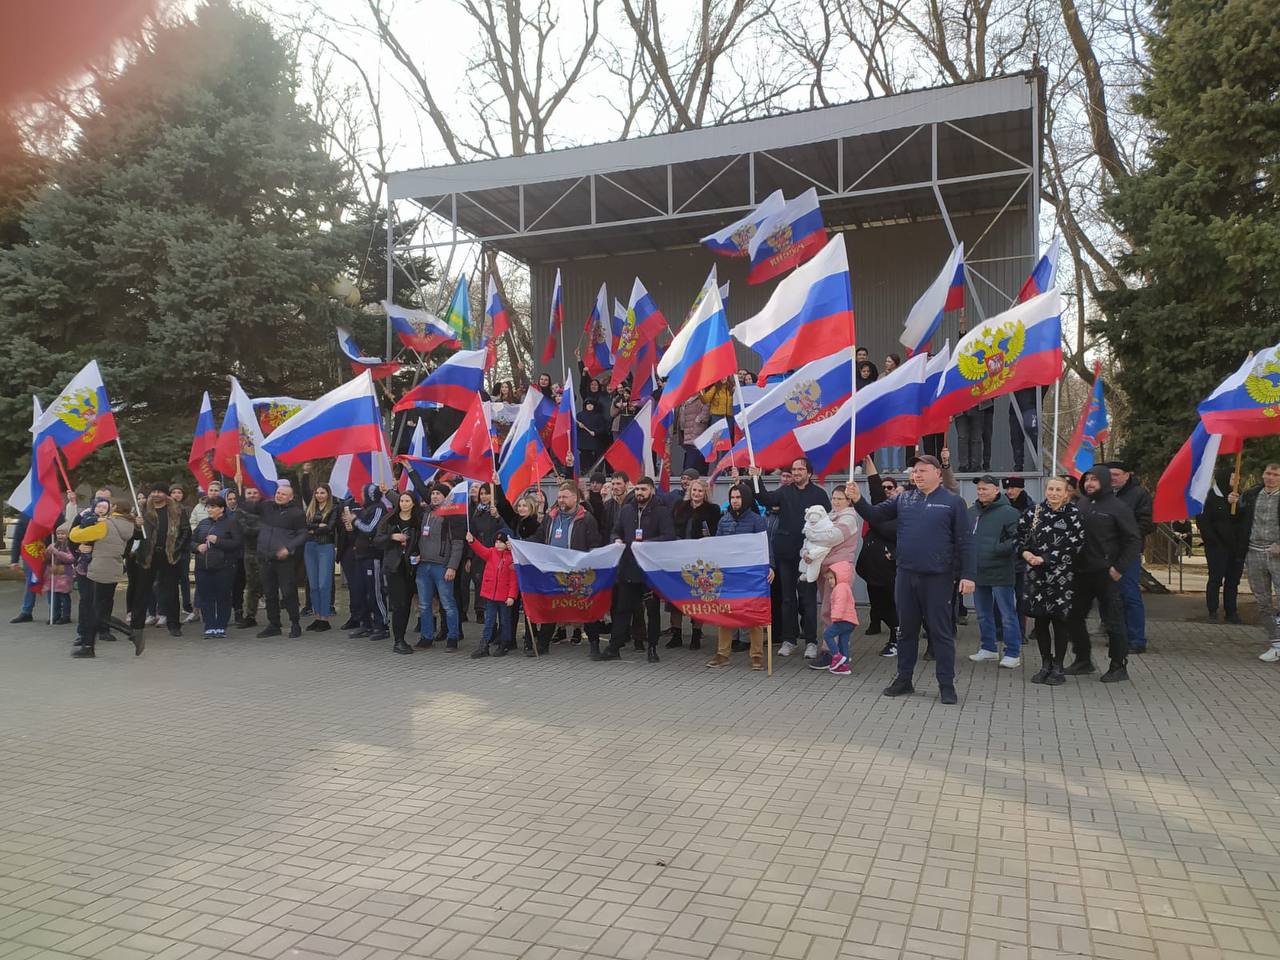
(1135, 615)
(431, 583)
(496, 614)
(986, 600)
(836, 637)
(319, 560)
(215, 596)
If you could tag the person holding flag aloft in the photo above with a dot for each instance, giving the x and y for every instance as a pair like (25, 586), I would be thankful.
(110, 536)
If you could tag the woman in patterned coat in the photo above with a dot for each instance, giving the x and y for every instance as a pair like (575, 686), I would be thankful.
(1050, 534)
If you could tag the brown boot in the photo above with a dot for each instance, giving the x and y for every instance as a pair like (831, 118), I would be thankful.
(718, 661)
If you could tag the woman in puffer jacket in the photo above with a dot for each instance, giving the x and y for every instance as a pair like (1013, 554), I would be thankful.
(842, 540)
(838, 578)
(742, 516)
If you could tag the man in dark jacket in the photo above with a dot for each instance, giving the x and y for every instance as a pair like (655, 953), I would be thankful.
(995, 535)
(1111, 544)
(935, 549)
(570, 525)
(282, 533)
(441, 539)
(1133, 495)
(642, 519)
(1226, 543)
(247, 514)
(164, 554)
(792, 500)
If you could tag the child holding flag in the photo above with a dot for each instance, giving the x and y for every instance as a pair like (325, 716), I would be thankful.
(499, 588)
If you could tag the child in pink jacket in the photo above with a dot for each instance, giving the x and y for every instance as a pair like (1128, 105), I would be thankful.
(844, 615)
(58, 577)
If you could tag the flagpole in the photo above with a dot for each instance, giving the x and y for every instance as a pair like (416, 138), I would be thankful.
(129, 478)
(1057, 389)
(1235, 477)
(746, 430)
(853, 397)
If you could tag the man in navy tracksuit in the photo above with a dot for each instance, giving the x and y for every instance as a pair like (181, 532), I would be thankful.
(934, 550)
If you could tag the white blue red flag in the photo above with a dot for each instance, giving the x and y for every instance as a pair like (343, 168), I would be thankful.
(787, 239)
(718, 580)
(1247, 403)
(565, 586)
(814, 391)
(419, 330)
(455, 383)
(456, 501)
(524, 459)
(1091, 431)
(564, 429)
(344, 420)
(932, 421)
(376, 366)
(555, 322)
(239, 451)
(417, 452)
(944, 294)
(643, 322)
(352, 472)
(200, 459)
(809, 315)
(24, 494)
(80, 419)
(1185, 483)
(714, 440)
(497, 322)
(599, 336)
(735, 239)
(632, 451)
(1044, 276)
(701, 353)
(1021, 347)
(44, 508)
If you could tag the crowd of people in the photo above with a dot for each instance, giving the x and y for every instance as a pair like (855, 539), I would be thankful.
(1032, 569)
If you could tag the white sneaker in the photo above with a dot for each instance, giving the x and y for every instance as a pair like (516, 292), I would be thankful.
(1271, 656)
(810, 651)
(161, 620)
(983, 655)
(786, 649)
(151, 620)
(1011, 662)
(191, 617)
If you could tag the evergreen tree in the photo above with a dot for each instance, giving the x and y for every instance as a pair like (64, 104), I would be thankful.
(1202, 217)
(194, 233)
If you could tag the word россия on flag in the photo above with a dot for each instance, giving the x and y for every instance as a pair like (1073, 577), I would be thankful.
(944, 294)
(701, 353)
(455, 383)
(1091, 431)
(419, 330)
(1247, 403)
(239, 451)
(565, 586)
(344, 420)
(1185, 483)
(787, 239)
(80, 419)
(200, 459)
(455, 501)
(718, 580)
(809, 315)
(376, 366)
(735, 239)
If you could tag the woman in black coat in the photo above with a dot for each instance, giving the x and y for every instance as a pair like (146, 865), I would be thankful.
(216, 545)
(1050, 535)
(877, 562)
(397, 538)
(694, 517)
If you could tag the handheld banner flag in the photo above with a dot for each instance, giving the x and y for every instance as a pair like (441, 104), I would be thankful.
(46, 510)
(24, 494)
(815, 390)
(787, 239)
(455, 383)
(345, 420)
(1043, 276)
(564, 431)
(1185, 483)
(239, 450)
(599, 337)
(931, 421)
(944, 294)
(200, 459)
(735, 239)
(419, 330)
(714, 440)
(417, 451)
(556, 322)
(718, 580)
(632, 451)
(459, 318)
(497, 322)
(456, 501)
(1091, 431)
(352, 472)
(80, 419)
(701, 353)
(565, 586)
(468, 452)
(273, 411)
(524, 459)
(644, 321)
(377, 367)
(1247, 403)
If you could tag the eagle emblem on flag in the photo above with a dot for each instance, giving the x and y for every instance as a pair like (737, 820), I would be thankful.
(577, 583)
(276, 414)
(804, 400)
(627, 339)
(990, 359)
(1261, 383)
(80, 412)
(742, 237)
(247, 447)
(779, 237)
(705, 579)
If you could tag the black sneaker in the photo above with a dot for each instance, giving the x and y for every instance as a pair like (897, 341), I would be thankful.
(25, 618)
(246, 623)
(899, 687)
(175, 630)
(1042, 674)
(821, 662)
(358, 634)
(313, 626)
(499, 650)
(576, 638)
(873, 630)
(351, 624)
(1212, 617)
(82, 653)
(676, 641)
(268, 631)
(295, 630)
(424, 644)
(1080, 667)
(401, 647)
(947, 693)
(1056, 678)
(890, 649)
(379, 635)
(479, 654)
(1117, 673)
(320, 626)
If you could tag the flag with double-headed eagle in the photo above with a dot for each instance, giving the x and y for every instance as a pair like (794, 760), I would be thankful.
(80, 420)
(273, 411)
(558, 585)
(718, 580)
(1247, 403)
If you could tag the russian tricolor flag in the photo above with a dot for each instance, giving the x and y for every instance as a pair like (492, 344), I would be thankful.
(815, 390)
(944, 294)
(1021, 347)
(376, 367)
(564, 429)
(787, 239)
(555, 323)
(352, 472)
(497, 323)
(524, 459)
(735, 239)
(887, 414)
(701, 353)
(932, 422)
(809, 316)
(1044, 276)
(718, 580)
(345, 420)
(1091, 431)
(200, 459)
(455, 383)
(80, 420)
(1247, 403)
(456, 501)
(40, 498)
(644, 321)
(632, 452)
(419, 330)
(417, 452)
(239, 451)
(565, 586)
(24, 494)
(713, 440)
(1185, 483)
(599, 336)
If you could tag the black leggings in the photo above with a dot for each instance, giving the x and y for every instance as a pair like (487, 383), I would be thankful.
(883, 609)
(1061, 637)
(401, 589)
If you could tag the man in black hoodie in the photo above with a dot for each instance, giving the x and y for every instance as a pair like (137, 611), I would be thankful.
(1111, 544)
(1135, 496)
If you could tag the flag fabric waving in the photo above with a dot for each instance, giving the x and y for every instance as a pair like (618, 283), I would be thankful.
(564, 430)
(419, 330)
(735, 239)
(809, 315)
(352, 472)
(239, 451)
(644, 321)
(45, 508)
(200, 459)
(944, 294)
(931, 421)
(456, 501)
(632, 452)
(714, 440)
(524, 459)
(558, 585)
(1181, 491)
(417, 452)
(1043, 276)
(1021, 347)
(815, 390)
(273, 411)
(80, 419)
(377, 367)
(787, 239)
(24, 494)
(1247, 403)
(1091, 431)
(599, 336)
(555, 323)
(717, 580)
(459, 318)
(455, 383)
(701, 353)
(344, 420)
(468, 451)
(497, 323)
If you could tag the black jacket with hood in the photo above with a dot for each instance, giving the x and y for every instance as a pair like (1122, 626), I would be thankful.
(365, 527)
(1218, 527)
(1111, 537)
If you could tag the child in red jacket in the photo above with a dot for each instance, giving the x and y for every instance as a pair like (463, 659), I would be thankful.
(500, 589)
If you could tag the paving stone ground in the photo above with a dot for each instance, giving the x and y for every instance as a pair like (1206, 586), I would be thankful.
(324, 798)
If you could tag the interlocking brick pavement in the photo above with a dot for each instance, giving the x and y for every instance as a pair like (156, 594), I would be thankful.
(323, 798)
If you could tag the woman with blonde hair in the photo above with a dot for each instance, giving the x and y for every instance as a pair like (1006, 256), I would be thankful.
(1050, 534)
